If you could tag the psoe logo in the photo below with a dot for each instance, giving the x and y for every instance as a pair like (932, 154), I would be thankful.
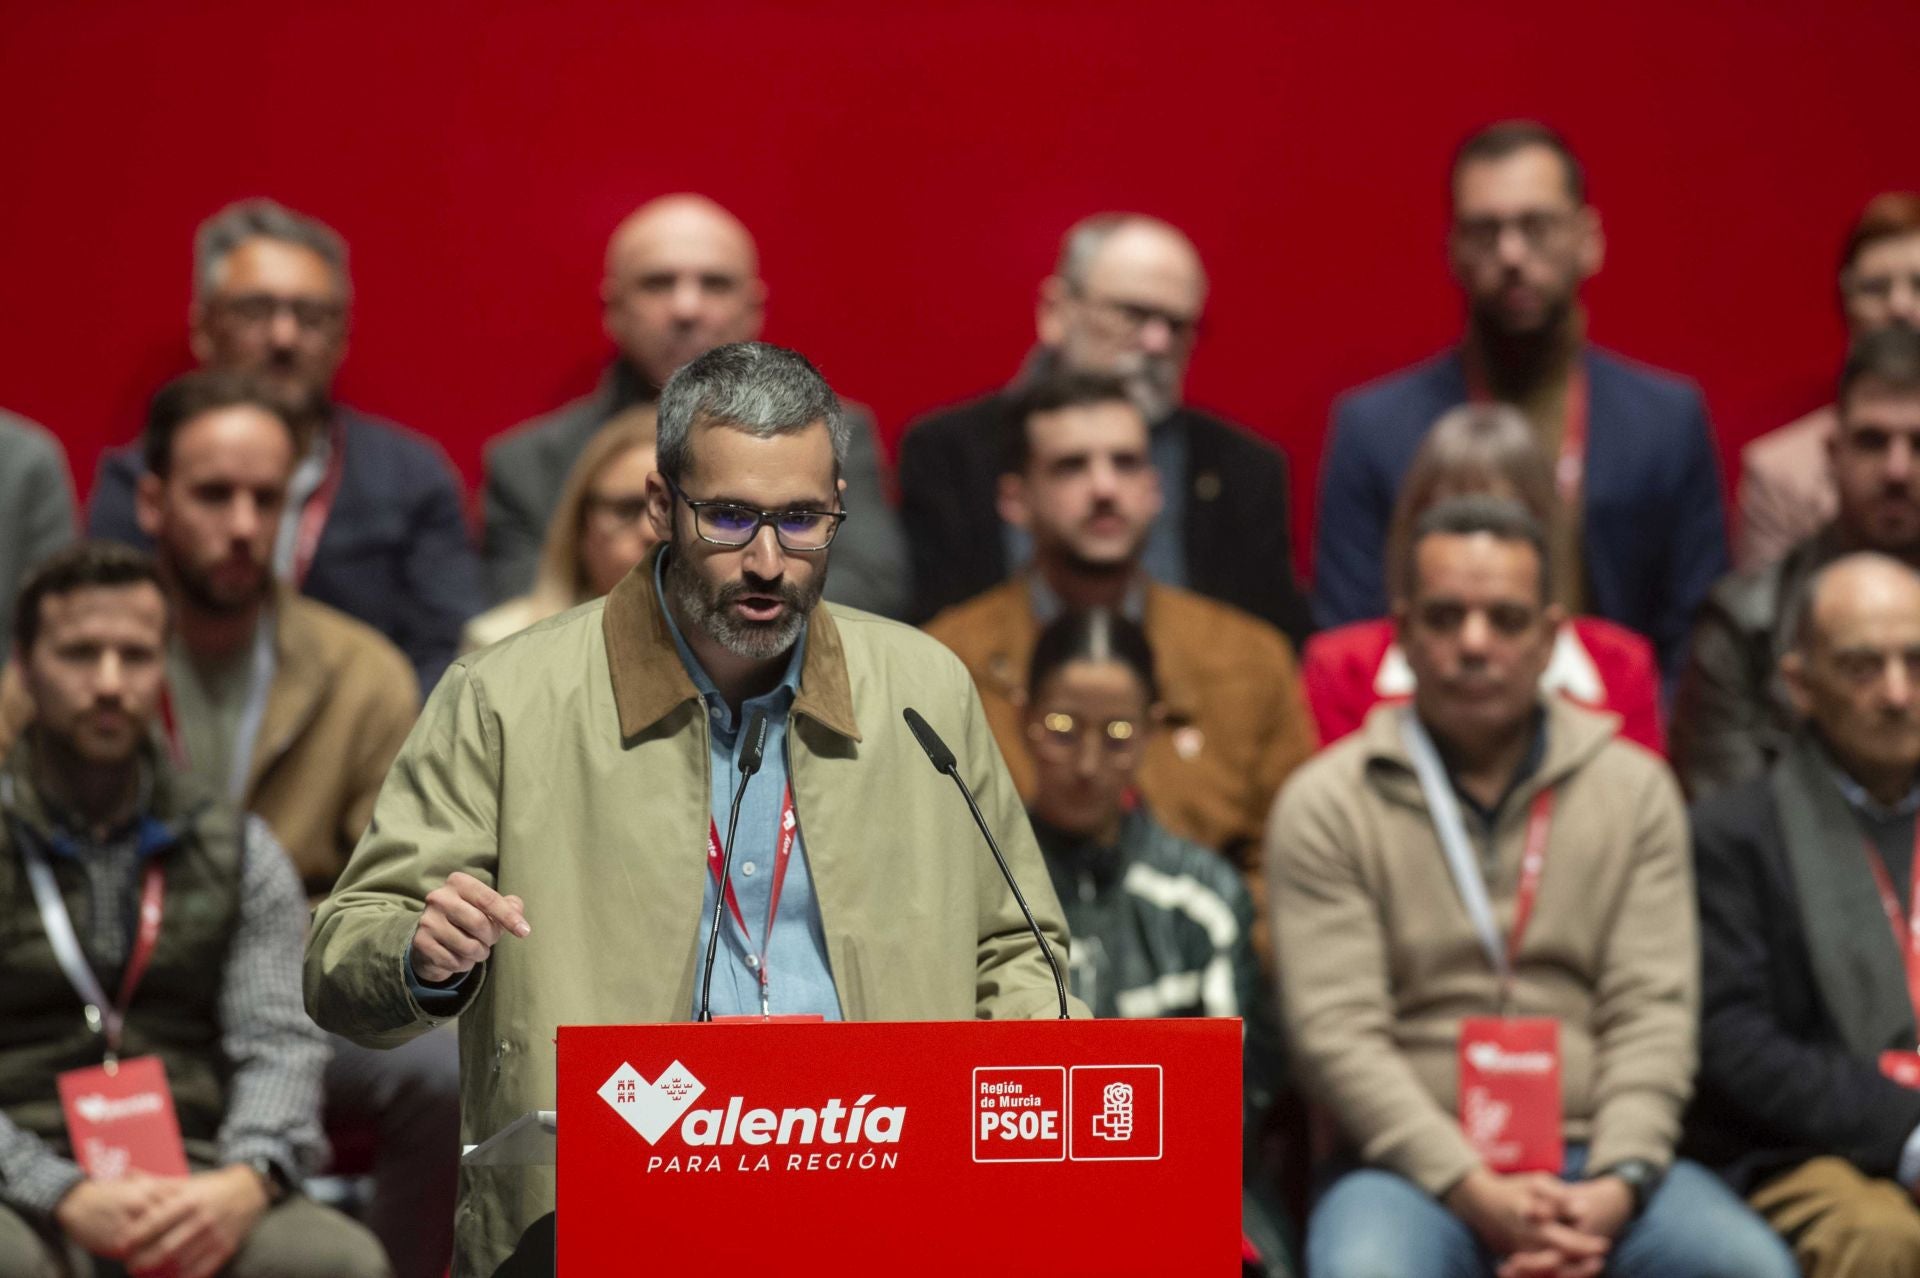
(653, 1108)
(1491, 1058)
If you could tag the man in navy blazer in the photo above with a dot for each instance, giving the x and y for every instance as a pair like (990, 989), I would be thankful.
(374, 525)
(1641, 536)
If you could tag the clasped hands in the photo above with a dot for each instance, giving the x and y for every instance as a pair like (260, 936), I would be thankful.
(177, 1226)
(1542, 1226)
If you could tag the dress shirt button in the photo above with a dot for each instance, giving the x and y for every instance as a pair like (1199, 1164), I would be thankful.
(753, 961)
(747, 869)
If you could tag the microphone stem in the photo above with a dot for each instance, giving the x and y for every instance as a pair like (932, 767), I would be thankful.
(720, 900)
(1046, 951)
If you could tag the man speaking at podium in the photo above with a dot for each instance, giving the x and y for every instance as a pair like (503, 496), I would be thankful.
(544, 850)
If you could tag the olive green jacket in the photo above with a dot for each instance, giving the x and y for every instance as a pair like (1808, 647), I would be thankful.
(568, 765)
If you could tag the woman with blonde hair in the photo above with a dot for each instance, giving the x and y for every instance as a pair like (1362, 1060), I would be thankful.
(599, 531)
(1480, 449)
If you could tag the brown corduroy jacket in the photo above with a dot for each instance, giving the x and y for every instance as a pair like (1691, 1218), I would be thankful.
(1378, 961)
(1237, 721)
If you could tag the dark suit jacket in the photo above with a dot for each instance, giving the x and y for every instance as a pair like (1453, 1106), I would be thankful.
(1237, 539)
(1802, 985)
(395, 552)
(1654, 531)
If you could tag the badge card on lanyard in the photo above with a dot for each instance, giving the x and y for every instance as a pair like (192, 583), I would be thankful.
(120, 1115)
(1902, 1067)
(1509, 1083)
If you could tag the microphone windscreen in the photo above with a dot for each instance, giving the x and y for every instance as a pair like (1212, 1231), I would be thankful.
(937, 752)
(756, 743)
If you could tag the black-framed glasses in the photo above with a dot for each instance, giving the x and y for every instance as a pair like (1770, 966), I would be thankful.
(253, 310)
(1131, 318)
(1537, 227)
(730, 524)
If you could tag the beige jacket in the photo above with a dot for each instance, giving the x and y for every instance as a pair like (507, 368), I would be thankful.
(1786, 488)
(569, 765)
(1378, 961)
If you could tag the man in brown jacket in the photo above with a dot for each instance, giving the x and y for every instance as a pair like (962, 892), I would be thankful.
(1232, 721)
(293, 711)
(1482, 894)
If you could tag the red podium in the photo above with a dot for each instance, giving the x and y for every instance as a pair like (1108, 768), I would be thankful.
(1055, 1147)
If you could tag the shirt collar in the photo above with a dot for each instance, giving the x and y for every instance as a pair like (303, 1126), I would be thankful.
(1535, 756)
(1865, 804)
(784, 692)
(1048, 606)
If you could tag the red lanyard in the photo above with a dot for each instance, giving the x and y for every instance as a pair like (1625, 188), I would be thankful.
(313, 515)
(1533, 861)
(1906, 933)
(1570, 468)
(783, 853)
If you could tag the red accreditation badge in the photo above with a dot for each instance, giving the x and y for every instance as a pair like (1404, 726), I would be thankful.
(1510, 1092)
(1902, 1067)
(122, 1120)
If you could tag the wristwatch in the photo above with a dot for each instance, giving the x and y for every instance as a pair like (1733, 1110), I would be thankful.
(270, 1178)
(1641, 1178)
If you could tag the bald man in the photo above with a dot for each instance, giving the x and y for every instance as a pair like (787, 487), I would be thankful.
(1806, 1098)
(1125, 298)
(682, 277)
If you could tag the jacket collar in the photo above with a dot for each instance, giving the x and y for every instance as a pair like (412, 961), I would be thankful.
(1858, 971)
(1574, 737)
(169, 807)
(650, 680)
(302, 679)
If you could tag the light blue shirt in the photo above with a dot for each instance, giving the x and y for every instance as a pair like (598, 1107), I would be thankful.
(800, 981)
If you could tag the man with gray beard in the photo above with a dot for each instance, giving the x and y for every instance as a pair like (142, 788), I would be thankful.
(1125, 299)
(542, 851)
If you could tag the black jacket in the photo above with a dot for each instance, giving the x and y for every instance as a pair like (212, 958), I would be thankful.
(1237, 538)
(1801, 988)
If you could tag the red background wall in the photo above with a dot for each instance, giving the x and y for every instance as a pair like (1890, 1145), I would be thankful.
(908, 170)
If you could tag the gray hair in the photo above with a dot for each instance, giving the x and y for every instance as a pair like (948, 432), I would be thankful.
(1085, 238)
(757, 387)
(262, 218)
(1497, 517)
(1797, 612)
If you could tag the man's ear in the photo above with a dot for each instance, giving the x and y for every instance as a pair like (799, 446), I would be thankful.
(199, 341)
(148, 509)
(1010, 500)
(1593, 241)
(1049, 312)
(1793, 676)
(659, 506)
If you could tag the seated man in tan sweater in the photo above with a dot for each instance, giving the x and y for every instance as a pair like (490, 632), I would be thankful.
(1487, 956)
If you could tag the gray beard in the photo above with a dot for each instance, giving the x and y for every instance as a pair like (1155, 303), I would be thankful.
(710, 614)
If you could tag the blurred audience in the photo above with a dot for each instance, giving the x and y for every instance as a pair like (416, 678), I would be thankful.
(100, 831)
(1232, 722)
(1639, 536)
(374, 522)
(1161, 926)
(683, 276)
(292, 711)
(1733, 715)
(1571, 953)
(1787, 491)
(600, 529)
(1480, 448)
(1125, 299)
(1807, 1099)
(36, 505)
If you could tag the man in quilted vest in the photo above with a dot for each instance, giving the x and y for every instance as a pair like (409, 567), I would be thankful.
(117, 873)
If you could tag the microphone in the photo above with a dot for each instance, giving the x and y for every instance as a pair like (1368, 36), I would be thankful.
(943, 761)
(752, 749)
